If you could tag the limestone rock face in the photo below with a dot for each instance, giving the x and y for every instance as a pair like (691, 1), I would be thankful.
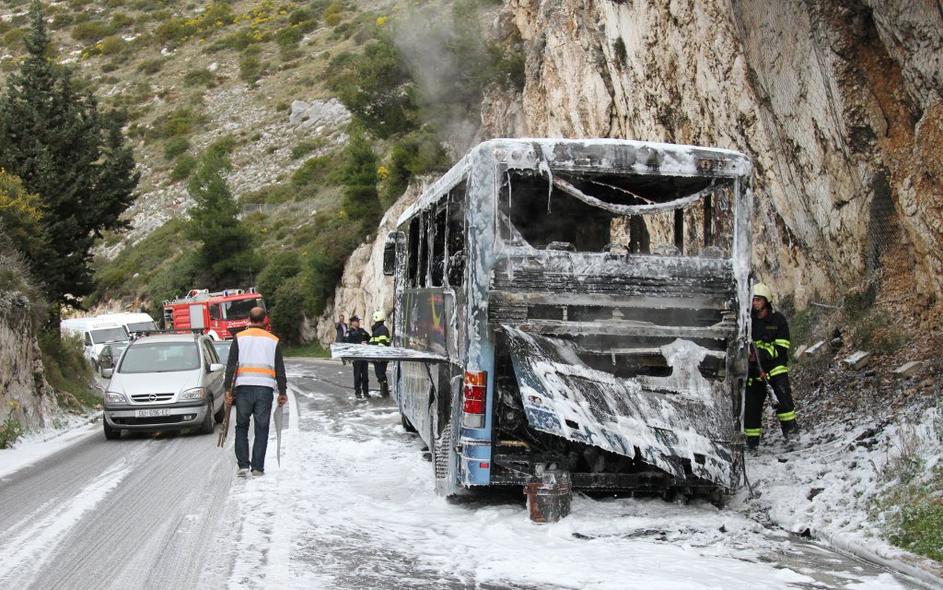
(24, 394)
(839, 104)
(363, 288)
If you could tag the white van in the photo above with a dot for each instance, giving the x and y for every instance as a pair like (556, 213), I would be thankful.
(133, 322)
(95, 334)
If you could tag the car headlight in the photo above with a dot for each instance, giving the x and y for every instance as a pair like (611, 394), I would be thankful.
(113, 397)
(195, 393)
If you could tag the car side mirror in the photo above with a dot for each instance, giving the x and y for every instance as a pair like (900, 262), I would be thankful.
(107, 373)
(217, 367)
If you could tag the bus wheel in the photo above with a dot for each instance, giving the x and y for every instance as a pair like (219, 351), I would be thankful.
(440, 454)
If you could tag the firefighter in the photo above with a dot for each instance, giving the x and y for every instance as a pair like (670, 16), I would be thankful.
(769, 363)
(357, 335)
(381, 337)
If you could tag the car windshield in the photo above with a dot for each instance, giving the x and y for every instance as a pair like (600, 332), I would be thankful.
(160, 357)
(108, 335)
(237, 310)
(222, 349)
(142, 327)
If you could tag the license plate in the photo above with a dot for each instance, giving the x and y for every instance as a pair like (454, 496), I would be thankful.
(151, 413)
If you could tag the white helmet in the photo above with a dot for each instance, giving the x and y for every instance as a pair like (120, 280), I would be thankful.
(379, 316)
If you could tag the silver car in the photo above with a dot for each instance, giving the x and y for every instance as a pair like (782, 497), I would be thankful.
(165, 382)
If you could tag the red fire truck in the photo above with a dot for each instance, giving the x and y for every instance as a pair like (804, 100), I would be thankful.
(220, 315)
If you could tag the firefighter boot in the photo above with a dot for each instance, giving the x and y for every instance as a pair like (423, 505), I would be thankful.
(790, 430)
(753, 444)
(384, 389)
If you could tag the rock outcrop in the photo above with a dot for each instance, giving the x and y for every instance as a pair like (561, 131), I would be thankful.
(839, 104)
(24, 394)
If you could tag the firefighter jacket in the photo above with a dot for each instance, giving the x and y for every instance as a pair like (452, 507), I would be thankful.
(381, 335)
(255, 358)
(357, 336)
(771, 337)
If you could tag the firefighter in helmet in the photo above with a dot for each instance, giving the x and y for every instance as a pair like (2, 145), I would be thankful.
(769, 364)
(381, 337)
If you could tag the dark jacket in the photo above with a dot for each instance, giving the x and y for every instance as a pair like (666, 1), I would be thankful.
(233, 363)
(381, 335)
(340, 332)
(357, 336)
(771, 337)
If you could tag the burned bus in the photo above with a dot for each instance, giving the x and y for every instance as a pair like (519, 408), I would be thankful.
(576, 305)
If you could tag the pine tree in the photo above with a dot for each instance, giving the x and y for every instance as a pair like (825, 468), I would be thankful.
(226, 257)
(361, 201)
(53, 136)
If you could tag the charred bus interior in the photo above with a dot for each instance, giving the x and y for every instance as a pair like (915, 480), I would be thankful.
(606, 272)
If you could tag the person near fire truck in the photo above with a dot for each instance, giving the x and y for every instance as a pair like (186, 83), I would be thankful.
(357, 335)
(381, 337)
(769, 369)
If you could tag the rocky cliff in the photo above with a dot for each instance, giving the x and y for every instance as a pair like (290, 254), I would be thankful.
(24, 394)
(837, 102)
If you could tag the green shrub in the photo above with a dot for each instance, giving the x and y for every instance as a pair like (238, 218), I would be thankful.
(92, 30)
(413, 154)
(120, 20)
(313, 171)
(333, 13)
(250, 69)
(280, 267)
(175, 29)
(306, 147)
(334, 238)
(10, 431)
(183, 168)
(177, 122)
(198, 77)
(151, 66)
(175, 146)
(13, 37)
(111, 45)
(288, 37)
(376, 87)
(66, 369)
(288, 311)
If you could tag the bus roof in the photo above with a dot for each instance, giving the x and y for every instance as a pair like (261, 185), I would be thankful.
(605, 155)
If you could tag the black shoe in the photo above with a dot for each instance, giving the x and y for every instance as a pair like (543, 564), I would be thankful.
(790, 430)
(753, 444)
(384, 389)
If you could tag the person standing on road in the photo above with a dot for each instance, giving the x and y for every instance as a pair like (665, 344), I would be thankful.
(341, 330)
(254, 371)
(357, 335)
(381, 337)
(769, 362)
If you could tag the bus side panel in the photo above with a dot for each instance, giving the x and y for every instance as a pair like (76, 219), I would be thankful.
(475, 443)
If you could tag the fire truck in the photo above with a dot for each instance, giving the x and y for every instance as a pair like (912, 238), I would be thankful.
(220, 315)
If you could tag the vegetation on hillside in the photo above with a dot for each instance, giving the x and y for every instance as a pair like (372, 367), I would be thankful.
(79, 168)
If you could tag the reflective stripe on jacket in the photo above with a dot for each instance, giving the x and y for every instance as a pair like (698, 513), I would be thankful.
(256, 358)
(381, 335)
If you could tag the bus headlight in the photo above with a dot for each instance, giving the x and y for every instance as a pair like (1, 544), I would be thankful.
(191, 394)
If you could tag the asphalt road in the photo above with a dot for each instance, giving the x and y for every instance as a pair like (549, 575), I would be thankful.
(166, 511)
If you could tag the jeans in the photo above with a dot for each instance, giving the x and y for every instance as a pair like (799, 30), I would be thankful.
(252, 401)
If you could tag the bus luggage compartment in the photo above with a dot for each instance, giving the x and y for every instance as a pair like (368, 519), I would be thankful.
(675, 430)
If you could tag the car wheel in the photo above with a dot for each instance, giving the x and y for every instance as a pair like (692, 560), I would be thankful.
(208, 424)
(218, 416)
(110, 433)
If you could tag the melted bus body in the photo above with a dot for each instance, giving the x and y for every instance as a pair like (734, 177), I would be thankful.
(580, 305)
